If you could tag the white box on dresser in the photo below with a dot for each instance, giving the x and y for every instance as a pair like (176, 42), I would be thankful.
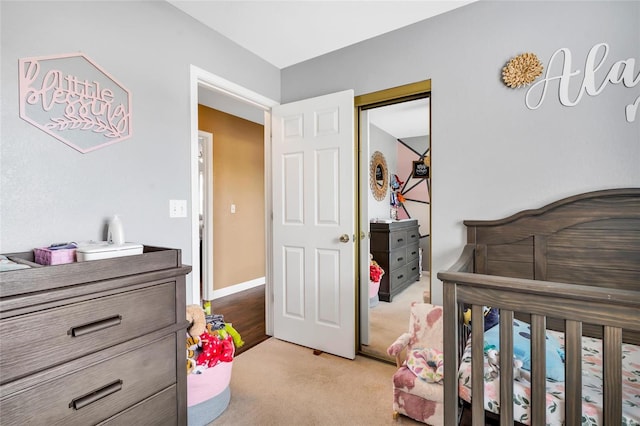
(99, 342)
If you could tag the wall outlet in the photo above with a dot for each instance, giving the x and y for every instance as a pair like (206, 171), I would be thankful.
(177, 208)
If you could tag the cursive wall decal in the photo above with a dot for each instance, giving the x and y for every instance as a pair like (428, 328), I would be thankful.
(631, 110)
(622, 71)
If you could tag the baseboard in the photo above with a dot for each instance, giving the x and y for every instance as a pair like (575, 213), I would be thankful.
(237, 288)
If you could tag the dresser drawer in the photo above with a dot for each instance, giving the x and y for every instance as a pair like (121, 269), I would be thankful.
(61, 334)
(413, 236)
(160, 409)
(397, 239)
(413, 251)
(97, 392)
(397, 258)
(413, 270)
(397, 278)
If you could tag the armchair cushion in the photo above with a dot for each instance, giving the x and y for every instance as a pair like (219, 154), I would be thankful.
(427, 364)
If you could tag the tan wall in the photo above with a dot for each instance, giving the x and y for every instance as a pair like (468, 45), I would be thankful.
(238, 178)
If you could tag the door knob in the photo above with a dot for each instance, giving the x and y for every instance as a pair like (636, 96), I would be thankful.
(344, 238)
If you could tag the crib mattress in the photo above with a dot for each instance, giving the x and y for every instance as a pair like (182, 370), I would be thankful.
(591, 387)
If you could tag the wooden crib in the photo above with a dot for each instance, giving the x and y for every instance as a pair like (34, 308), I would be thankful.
(572, 266)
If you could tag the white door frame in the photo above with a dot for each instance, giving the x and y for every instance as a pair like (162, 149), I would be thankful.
(362, 117)
(200, 77)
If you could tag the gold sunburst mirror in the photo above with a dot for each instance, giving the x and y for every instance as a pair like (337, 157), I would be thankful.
(378, 176)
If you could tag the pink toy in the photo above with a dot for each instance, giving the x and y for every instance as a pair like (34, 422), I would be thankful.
(214, 350)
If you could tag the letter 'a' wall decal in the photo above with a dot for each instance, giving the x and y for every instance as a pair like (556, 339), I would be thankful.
(74, 100)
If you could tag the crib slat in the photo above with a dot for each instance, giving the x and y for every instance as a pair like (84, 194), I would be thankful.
(477, 365)
(506, 367)
(612, 365)
(538, 370)
(450, 322)
(572, 371)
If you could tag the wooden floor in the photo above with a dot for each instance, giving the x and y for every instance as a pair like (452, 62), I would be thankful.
(246, 311)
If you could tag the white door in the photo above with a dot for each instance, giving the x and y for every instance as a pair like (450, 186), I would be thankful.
(313, 215)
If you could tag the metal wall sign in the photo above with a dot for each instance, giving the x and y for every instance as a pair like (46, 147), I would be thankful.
(74, 100)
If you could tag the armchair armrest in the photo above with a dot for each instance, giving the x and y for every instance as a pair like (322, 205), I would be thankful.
(398, 346)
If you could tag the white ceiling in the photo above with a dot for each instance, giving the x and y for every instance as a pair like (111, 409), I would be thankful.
(285, 33)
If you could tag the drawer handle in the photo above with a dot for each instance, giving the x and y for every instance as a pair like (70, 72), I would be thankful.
(400, 276)
(400, 259)
(413, 236)
(400, 240)
(97, 394)
(414, 268)
(95, 326)
(413, 252)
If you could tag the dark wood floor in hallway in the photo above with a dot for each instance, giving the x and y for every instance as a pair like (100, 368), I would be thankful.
(246, 311)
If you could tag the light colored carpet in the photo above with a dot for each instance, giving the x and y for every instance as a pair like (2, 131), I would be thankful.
(279, 383)
(387, 321)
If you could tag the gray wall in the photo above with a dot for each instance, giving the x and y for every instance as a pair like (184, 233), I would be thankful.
(491, 156)
(379, 140)
(52, 193)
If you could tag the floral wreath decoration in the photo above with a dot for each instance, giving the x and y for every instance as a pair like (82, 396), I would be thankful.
(522, 70)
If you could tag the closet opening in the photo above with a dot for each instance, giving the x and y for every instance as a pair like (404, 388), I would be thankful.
(394, 200)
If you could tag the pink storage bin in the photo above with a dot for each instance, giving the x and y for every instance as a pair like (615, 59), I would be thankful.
(208, 394)
(45, 256)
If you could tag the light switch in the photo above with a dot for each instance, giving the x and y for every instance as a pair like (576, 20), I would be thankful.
(177, 208)
(233, 208)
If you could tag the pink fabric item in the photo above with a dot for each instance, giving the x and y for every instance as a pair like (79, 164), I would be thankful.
(413, 397)
(416, 407)
(212, 381)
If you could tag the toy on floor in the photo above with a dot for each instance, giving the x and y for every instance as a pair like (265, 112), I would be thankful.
(192, 345)
(216, 322)
(210, 340)
(197, 320)
(197, 325)
(215, 349)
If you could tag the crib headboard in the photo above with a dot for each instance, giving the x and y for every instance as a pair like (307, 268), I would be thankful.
(572, 266)
(590, 239)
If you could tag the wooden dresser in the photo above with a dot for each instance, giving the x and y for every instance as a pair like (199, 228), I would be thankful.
(99, 342)
(395, 246)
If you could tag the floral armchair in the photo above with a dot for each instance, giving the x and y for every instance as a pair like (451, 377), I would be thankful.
(418, 391)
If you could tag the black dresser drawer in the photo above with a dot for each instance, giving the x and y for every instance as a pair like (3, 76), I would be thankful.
(413, 270)
(413, 252)
(413, 236)
(398, 276)
(397, 239)
(397, 258)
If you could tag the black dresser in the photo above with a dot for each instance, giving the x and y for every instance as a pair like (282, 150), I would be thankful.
(395, 246)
